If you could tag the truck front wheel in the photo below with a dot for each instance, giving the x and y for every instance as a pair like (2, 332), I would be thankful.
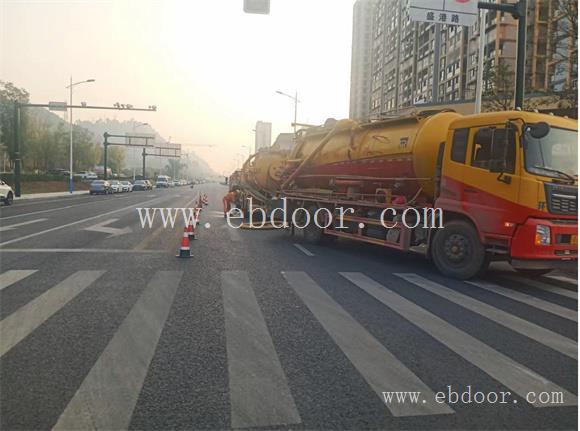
(457, 251)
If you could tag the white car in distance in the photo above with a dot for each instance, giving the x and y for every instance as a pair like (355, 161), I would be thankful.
(6, 193)
(116, 186)
(126, 186)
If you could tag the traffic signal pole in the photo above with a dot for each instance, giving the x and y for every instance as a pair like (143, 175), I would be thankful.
(519, 11)
(106, 144)
(169, 156)
(16, 149)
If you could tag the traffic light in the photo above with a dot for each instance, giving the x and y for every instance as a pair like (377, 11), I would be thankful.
(257, 6)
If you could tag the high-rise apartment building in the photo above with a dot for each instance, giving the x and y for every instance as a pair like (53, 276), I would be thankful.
(360, 59)
(417, 63)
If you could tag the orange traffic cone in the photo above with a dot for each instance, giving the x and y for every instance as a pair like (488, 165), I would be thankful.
(191, 230)
(184, 250)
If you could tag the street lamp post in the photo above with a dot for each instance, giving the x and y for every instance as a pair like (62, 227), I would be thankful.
(249, 147)
(70, 87)
(296, 101)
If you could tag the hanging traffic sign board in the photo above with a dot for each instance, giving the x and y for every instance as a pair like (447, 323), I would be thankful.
(452, 12)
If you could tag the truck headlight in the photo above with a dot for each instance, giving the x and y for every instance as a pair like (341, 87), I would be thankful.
(542, 235)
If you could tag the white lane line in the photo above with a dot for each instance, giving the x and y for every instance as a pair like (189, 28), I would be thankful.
(24, 223)
(563, 278)
(107, 397)
(53, 209)
(27, 318)
(378, 366)
(10, 277)
(543, 286)
(259, 393)
(303, 250)
(76, 250)
(32, 235)
(505, 370)
(542, 335)
(532, 301)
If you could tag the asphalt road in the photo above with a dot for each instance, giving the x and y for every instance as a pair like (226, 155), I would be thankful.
(102, 327)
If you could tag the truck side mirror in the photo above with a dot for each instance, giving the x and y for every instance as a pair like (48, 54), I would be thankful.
(539, 130)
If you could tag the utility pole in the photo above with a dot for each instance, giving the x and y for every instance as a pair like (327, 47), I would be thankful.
(295, 99)
(519, 11)
(70, 87)
(16, 149)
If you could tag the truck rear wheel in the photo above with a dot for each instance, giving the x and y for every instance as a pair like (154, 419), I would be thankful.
(311, 232)
(457, 251)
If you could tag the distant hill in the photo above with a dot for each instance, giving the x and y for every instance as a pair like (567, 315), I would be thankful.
(196, 167)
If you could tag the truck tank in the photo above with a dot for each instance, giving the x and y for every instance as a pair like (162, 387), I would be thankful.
(262, 172)
(361, 160)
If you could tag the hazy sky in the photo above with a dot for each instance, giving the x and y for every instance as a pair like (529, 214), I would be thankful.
(211, 69)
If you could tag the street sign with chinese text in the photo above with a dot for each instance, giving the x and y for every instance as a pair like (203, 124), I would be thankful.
(57, 106)
(453, 12)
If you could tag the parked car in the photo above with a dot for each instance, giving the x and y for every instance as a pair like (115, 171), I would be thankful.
(127, 186)
(163, 181)
(141, 185)
(116, 186)
(86, 175)
(6, 193)
(101, 187)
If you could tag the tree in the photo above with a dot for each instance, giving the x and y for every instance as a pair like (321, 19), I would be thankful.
(173, 167)
(498, 86)
(116, 157)
(8, 95)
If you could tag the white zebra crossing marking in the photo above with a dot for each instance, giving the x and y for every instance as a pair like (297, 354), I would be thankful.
(542, 335)
(563, 278)
(27, 318)
(544, 286)
(379, 367)
(506, 371)
(8, 278)
(538, 303)
(259, 392)
(107, 396)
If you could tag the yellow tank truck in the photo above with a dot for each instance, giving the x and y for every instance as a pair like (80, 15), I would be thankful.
(260, 179)
(466, 189)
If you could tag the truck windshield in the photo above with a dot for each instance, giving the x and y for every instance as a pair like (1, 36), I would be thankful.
(554, 155)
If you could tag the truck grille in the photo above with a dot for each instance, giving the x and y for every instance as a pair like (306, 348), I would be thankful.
(562, 199)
